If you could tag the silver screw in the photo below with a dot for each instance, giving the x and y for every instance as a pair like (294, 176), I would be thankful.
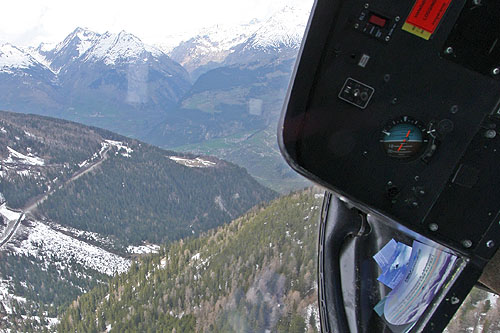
(490, 134)
(397, 18)
(387, 38)
(433, 227)
(414, 204)
(356, 26)
(367, 5)
(490, 244)
(467, 243)
(417, 178)
(454, 109)
(496, 71)
(477, 2)
(449, 50)
(389, 183)
(454, 300)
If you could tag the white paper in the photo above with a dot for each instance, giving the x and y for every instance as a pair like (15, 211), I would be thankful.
(427, 270)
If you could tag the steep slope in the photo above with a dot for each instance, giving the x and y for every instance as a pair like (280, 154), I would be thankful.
(116, 81)
(255, 275)
(277, 39)
(26, 82)
(88, 200)
(211, 46)
(109, 80)
(261, 40)
(45, 266)
(238, 99)
(98, 181)
(226, 101)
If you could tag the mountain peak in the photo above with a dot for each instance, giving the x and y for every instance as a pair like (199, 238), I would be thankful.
(14, 57)
(122, 46)
(77, 42)
(86, 45)
(279, 34)
(285, 28)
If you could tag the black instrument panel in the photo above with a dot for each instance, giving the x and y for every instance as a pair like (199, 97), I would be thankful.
(401, 119)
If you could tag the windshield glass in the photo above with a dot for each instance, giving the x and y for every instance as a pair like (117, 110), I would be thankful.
(141, 184)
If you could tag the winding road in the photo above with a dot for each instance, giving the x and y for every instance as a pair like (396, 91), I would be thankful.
(33, 203)
(12, 230)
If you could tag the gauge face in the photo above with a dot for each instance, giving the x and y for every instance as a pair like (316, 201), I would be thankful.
(404, 138)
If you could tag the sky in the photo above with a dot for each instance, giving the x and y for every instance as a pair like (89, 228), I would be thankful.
(30, 22)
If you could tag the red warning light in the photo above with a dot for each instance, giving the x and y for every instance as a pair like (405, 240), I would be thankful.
(377, 20)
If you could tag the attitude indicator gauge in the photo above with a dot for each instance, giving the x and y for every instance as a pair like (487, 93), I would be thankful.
(404, 138)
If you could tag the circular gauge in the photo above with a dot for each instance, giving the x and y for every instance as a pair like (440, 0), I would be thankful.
(404, 138)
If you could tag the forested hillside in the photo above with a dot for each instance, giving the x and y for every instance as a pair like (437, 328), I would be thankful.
(150, 197)
(38, 151)
(80, 202)
(136, 193)
(257, 274)
(254, 275)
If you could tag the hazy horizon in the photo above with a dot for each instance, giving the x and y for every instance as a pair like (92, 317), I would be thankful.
(29, 23)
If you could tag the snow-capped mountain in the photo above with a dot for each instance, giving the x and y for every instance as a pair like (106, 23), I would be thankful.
(25, 81)
(21, 62)
(212, 45)
(71, 48)
(118, 68)
(12, 58)
(280, 35)
(83, 45)
(92, 78)
(284, 29)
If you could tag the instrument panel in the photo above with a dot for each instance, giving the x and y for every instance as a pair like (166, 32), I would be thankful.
(395, 108)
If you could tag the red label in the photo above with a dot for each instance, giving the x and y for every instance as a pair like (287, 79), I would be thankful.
(426, 14)
(377, 20)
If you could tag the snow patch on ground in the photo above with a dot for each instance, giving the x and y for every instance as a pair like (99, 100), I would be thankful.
(6, 298)
(312, 309)
(193, 163)
(143, 249)
(81, 234)
(119, 146)
(220, 203)
(17, 157)
(44, 242)
(199, 263)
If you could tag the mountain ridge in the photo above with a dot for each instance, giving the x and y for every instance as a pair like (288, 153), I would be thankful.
(116, 82)
(253, 275)
(90, 200)
(228, 45)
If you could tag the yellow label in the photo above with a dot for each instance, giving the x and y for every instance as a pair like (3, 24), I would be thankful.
(417, 31)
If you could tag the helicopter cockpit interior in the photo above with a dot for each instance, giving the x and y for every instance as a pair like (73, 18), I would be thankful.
(394, 109)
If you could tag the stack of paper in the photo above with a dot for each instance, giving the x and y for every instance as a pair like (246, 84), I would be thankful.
(415, 275)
